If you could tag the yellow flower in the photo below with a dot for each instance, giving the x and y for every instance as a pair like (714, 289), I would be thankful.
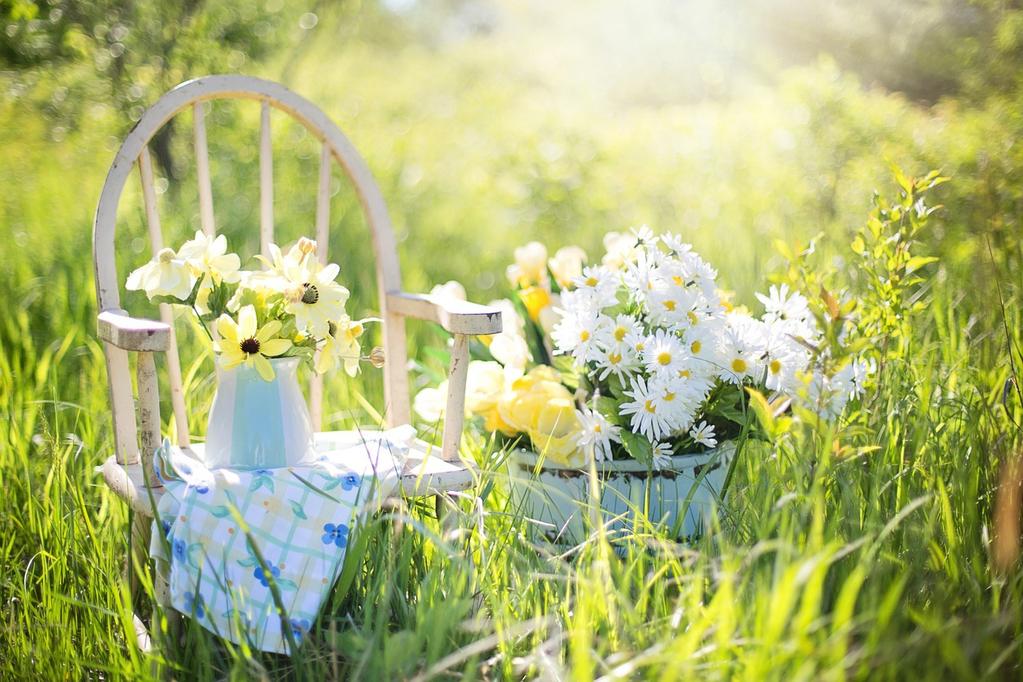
(318, 300)
(567, 264)
(449, 291)
(209, 256)
(530, 265)
(484, 388)
(431, 402)
(535, 300)
(556, 431)
(243, 343)
(165, 275)
(520, 406)
(342, 345)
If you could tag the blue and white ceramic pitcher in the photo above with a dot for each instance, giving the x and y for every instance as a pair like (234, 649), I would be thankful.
(256, 423)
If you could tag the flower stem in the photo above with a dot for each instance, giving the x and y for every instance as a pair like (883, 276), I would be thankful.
(202, 324)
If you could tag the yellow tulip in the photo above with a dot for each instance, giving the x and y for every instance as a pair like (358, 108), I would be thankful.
(519, 407)
(555, 431)
(536, 299)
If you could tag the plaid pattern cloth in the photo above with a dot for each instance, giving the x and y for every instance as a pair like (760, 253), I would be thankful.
(231, 536)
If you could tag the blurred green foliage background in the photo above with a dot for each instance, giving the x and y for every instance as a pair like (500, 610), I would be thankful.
(733, 123)
(492, 122)
(489, 123)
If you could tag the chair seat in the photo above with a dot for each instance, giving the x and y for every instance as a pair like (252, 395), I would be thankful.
(425, 474)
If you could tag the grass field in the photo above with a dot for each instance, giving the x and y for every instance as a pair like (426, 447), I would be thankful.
(871, 550)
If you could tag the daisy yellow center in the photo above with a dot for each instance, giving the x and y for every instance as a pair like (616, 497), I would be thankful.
(669, 396)
(597, 428)
(584, 335)
(692, 317)
(664, 358)
(640, 346)
(649, 407)
(619, 333)
(249, 346)
(684, 374)
(591, 281)
(775, 366)
(669, 305)
(738, 365)
(677, 279)
(311, 294)
(695, 347)
(614, 358)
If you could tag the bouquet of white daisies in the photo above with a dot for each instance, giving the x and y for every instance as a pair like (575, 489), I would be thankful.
(641, 356)
(663, 361)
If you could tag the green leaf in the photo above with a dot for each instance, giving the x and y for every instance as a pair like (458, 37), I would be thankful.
(762, 409)
(638, 447)
(614, 384)
(286, 584)
(248, 563)
(220, 511)
(608, 407)
(917, 262)
(296, 508)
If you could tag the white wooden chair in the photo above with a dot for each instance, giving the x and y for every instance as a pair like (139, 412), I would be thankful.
(129, 471)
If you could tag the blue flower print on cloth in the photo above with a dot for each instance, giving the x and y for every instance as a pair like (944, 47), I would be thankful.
(194, 604)
(180, 550)
(261, 575)
(299, 518)
(336, 534)
(300, 626)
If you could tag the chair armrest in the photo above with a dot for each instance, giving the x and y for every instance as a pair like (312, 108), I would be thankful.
(130, 333)
(457, 317)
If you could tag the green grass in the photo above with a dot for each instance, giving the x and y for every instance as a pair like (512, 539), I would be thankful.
(872, 561)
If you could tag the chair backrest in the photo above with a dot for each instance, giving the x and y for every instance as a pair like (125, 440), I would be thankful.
(335, 147)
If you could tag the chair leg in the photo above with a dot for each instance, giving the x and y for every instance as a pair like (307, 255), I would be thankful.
(141, 527)
(161, 586)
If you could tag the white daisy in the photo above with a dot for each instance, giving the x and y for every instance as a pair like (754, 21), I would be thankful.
(676, 247)
(703, 343)
(780, 306)
(619, 360)
(743, 348)
(703, 433)
(673, 306)
(640, 278)
(647, 418)
(783, 358)
(596, 434)
(600, 284)
(581, 334)
(644, 236)
(675, 401)
(661, 456)
(664, 354)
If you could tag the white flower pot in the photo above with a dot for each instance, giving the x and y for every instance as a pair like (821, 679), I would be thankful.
(255, 423)
(678, 499)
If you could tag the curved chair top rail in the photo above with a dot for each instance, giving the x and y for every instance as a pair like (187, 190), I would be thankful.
(193, 93)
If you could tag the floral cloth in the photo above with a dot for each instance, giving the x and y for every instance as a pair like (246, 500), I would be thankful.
(211, 522)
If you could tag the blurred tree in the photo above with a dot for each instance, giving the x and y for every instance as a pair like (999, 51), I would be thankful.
(927, 49)
(128, 53)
